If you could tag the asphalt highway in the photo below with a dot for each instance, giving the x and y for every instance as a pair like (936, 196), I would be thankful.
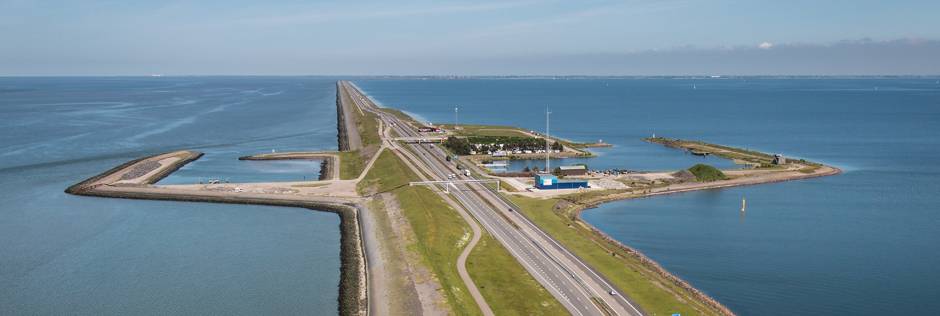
(573, 283)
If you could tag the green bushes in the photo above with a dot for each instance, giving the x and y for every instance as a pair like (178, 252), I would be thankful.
(706, 173)
(485, 144)
(457, 145)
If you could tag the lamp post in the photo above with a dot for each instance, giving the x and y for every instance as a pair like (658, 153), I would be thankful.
(547, 147)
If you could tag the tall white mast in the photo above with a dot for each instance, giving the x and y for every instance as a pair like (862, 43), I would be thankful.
(547, 140)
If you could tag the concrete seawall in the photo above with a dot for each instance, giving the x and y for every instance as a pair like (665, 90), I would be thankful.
(135, 179)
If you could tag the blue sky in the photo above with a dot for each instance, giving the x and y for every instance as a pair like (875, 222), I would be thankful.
(519, 37)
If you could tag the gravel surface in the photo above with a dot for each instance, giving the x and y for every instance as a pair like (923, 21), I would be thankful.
(141, 169)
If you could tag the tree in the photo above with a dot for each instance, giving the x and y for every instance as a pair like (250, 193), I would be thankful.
(459, 146)
(526, 169)
(535, 169)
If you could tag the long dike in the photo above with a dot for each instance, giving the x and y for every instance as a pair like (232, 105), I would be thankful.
(341, 136)
(347, 133)
(135, 179)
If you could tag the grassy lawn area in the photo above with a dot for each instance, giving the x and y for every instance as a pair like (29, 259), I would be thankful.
(506, 285)
(726, 152)
(486, 130)
(366, 122)
(401, 115)
(653, 292)
(439, 230)
(442, 234)
(368, 125)
(351, 164)
(386, 174)
(706, 173)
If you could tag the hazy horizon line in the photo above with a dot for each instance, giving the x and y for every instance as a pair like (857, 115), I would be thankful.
(458, 76)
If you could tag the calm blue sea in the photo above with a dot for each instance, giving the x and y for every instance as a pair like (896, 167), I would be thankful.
(63, 254)
(861, 243)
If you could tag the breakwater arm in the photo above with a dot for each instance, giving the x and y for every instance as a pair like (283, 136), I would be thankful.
(146, 170)
(134, 180)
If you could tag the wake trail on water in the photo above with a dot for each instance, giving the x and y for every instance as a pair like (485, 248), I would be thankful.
(141, 152)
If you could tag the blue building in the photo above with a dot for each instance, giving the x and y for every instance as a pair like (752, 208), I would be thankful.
(549, 182)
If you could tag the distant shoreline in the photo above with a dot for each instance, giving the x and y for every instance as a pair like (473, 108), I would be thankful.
(450, 77)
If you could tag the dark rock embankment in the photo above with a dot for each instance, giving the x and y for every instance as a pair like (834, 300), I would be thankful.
(139, 167)
(341, 133)
(328, 164)
(352, 295)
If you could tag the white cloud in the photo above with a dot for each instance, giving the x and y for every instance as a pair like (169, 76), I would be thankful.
(765, 45)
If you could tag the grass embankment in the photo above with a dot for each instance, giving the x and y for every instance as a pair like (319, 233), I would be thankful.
(719, 150)
(351, 164)
(367, 124)
(739, 155)
(401, 115)
(486, 130)
(441, 235)
(706, 173)
(506, 285)
(656, 294)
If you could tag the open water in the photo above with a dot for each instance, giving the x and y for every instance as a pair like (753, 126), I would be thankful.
(861, 243)
(70, 255)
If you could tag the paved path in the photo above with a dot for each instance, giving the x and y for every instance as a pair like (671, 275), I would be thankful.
(353, 140)
(406, 157)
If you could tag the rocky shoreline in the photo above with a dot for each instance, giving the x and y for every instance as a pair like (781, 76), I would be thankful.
(353, 297)
(578, 209)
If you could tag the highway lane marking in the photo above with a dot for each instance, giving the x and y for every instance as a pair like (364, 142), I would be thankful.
(471, 200)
